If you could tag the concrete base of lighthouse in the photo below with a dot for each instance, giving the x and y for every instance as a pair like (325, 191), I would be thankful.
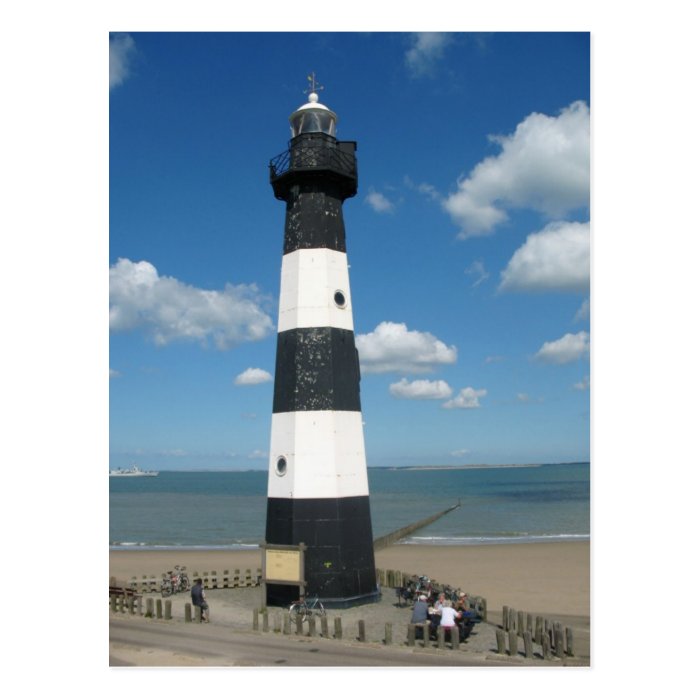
(339, 558)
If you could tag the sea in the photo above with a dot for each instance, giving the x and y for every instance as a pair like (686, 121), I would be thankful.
(226, 509)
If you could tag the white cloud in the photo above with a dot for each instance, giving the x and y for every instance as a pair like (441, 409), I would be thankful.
(169, 310)
(568, 348)
(379, 202)
(113, 373)
(544, 165)
(558, 258)
(391, 347)
(420, 389)
(121, 49)
(253, 375)
(460, 453)
(467, 398)
(427, 49)
(583, 385)
(477, 271)
(584, 312)
(524, 398)
(257, 454)
(423, 188)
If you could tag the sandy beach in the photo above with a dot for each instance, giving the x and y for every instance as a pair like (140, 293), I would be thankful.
(548, 578)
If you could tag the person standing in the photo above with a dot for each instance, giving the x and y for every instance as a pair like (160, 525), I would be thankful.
(199, 599)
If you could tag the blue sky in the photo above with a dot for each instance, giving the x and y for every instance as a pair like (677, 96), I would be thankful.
(468, 241)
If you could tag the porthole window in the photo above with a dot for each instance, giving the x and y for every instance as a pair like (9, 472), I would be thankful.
(281, 467)
(339, 299)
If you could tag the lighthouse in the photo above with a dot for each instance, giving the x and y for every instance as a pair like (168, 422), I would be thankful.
(318, 491)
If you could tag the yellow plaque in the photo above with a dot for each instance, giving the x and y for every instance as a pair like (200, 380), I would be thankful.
(281, 565)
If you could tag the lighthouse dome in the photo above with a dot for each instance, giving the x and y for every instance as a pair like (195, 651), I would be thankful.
(313, 117)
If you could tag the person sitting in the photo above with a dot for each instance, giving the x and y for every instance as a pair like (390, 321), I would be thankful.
(199, 599)
(449, 616)
(439, 603)
(420, 615)
(468, 616)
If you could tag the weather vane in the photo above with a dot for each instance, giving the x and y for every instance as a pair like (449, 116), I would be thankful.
(312, 84)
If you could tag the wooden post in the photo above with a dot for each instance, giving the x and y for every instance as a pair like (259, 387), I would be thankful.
(287, 628)
(511, 618)
(505, 617)
(570, 641)
(521, 623)
(300, 624)
(501, 641)
(426, 634)
(388, 634)
(139, 606)
(338, 628)
(122, 603)
(266, 621)
(248, 578)
(197, 613)
(113, 602)
(546, 647)
(411, 635)
(527, 638)
(528, 623)
(324, 627)
(559, 641)
(538, 629)
(513, 642)
(149, 607)
(312, 626)
(188, 612)
(454, 631)
(255, 619)
(159, 608)
(225, 579)
(277, 625)
(441, 637)
(168, 609)
(361, 631)
(481, 609)
(236, 578)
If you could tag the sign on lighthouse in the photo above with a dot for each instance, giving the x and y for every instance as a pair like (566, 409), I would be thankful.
(318, 491)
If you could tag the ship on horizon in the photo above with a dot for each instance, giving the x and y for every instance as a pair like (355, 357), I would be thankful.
(133, 471)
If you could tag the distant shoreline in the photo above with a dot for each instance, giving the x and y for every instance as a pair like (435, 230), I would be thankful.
(436, 467)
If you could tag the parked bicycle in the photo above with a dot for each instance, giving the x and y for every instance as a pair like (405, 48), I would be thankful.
(175, 581)
(305, 608)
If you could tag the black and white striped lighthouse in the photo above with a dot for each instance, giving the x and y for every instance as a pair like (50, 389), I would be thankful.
(317, 484)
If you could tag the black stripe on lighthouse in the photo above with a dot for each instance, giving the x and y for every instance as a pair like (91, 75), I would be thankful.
(314, 218)
(317, 369)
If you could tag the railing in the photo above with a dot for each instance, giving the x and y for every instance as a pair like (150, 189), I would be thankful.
(314, 155)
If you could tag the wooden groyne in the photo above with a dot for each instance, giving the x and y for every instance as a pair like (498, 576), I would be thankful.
(392, 537)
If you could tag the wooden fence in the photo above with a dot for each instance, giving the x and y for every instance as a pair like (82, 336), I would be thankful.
(210, 579)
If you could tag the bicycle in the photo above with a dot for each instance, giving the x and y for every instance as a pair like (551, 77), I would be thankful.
(305, 608)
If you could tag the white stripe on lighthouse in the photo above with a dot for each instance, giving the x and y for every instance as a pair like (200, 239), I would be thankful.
(311, 278)
(330, 448)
